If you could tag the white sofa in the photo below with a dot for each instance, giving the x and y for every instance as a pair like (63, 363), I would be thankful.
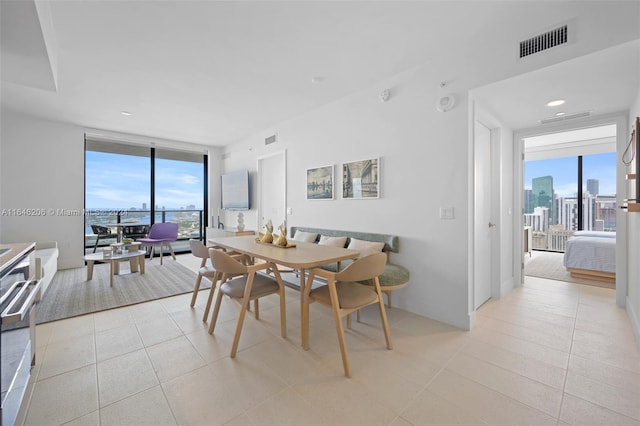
(47, 255)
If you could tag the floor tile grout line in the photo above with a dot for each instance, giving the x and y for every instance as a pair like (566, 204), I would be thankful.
(566, 375)
(528, 341)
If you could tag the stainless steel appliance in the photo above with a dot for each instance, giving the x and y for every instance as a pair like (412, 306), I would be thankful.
(19, 292)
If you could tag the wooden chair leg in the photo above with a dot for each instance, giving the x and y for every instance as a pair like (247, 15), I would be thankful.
(283, 313)
(256, 309)
(236, 337)
(196, 288)
(358, 315)
(171, 251)
(343, 343)
(211, 291)
(161, 250)
(216, 310)
(388, 298)
(385, 323)
(305, 324)
(349, 321)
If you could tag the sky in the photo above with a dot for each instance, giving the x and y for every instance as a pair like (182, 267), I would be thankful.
(565, 173)
(115, 181)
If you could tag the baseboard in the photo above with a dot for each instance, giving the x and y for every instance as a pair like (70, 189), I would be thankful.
(635, 321)
(506, 287)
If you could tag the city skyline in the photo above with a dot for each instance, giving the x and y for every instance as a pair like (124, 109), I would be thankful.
(565, 173)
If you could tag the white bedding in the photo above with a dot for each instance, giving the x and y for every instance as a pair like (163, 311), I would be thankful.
(594, 253)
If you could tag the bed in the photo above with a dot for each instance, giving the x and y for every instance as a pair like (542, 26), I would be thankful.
(592, 255)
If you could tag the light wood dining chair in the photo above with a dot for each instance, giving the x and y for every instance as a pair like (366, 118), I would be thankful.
(344, 295)
(246, 284)
(199, 250)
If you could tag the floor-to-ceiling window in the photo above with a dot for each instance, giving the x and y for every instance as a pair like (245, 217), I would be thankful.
(570, 185)
(141, 186)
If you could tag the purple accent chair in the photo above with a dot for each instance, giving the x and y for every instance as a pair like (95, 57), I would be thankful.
(161, 234)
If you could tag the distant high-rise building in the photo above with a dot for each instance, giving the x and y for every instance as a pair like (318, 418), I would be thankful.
(593, 186)
(542, 193)
(538, 220)
(528, 201)
(144, 206)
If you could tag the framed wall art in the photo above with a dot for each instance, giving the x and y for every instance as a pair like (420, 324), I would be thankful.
(320, 183)
(361, 179)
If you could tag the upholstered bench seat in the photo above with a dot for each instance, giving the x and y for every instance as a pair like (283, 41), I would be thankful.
(393, 277)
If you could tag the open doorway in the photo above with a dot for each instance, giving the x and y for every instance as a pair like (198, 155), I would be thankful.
(569, 205)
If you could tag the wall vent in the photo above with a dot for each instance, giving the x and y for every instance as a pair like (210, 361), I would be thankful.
(565, 117)
(226, 155)
(271, 139)
(544, 41)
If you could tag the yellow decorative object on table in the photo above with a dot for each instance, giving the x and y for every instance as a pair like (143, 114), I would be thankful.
(281, 240)
(267, 237)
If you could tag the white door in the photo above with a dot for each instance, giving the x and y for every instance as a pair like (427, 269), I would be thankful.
(483, 225)
(272, 190)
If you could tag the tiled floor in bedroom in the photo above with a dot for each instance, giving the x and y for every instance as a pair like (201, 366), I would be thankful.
(550, 353)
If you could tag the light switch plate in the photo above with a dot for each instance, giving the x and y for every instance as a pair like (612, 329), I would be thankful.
(446, 213)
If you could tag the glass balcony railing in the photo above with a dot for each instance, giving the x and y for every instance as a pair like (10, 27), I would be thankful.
(190, 225)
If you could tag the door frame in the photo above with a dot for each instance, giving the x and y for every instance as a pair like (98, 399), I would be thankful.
(491, 191)
(620, 120)
(260, 185)
(479, 114)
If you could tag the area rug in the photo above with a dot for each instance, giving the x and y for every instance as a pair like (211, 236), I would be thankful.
(550, 265)
(70, 294)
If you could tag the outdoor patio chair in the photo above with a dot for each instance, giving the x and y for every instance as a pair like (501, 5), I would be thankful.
(101, 232)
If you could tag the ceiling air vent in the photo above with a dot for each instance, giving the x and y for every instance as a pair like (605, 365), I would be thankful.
(271, 139)
(565, 117)
(544, 41)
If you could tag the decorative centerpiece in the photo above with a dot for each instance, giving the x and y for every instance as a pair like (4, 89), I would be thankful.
(281, 240)
(266, 237)
(106, 253)
(117, 248)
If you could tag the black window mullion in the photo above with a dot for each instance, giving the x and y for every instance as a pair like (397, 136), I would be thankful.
(152, 210)
(580, 207)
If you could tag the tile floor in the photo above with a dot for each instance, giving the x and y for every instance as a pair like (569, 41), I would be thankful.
(551, 353)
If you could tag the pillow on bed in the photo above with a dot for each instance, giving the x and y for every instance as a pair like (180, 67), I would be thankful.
(365, 248)
(594, 234)
(307, 237)
(332, 241)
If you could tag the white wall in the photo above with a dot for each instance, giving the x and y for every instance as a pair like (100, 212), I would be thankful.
(423, 167)
(42, 167)
(633, 248)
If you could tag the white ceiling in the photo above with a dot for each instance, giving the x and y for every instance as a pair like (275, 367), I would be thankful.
(599, 83)
(213, 72)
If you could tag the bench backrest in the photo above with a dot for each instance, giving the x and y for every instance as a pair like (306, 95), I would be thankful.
(391, 242)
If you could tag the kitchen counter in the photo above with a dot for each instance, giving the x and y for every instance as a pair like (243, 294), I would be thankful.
(11, 252)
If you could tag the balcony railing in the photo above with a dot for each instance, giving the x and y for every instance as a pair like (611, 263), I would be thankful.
(554, 240)
(190, 224)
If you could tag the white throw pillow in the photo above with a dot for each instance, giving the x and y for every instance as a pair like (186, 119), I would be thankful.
(365, 248)
(333, 241)
(307, 237)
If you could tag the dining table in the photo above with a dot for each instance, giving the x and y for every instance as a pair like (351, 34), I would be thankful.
(300, 256)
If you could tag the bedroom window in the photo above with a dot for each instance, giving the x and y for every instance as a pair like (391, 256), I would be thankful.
(570, 185)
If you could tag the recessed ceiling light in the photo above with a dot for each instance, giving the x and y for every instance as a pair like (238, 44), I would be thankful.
(317, 80)
(127, 113)
(555, 102)
(558, 114)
